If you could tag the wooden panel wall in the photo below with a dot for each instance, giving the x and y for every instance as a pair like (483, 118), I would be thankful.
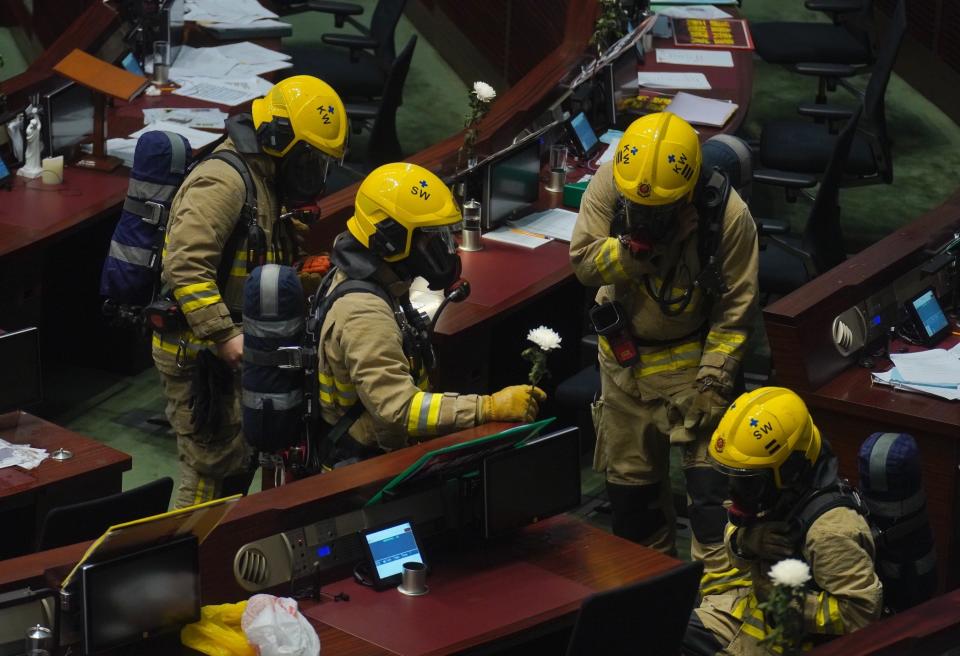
(513, 35)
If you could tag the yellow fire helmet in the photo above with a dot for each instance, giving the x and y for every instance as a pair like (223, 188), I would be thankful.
(768, 430)
(658, 160)
(301, 109)
(395, 200)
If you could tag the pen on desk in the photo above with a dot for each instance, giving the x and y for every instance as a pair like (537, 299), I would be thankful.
(521, 231)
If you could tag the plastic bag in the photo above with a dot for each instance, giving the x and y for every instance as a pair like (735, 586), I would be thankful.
(218, 632)
(277, 628)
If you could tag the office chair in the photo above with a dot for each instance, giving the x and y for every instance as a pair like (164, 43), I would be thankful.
(647, 618)
(356, 65)
(787, 264)
(828, 51)
(794, 153)
(88, 520)
(383, 145)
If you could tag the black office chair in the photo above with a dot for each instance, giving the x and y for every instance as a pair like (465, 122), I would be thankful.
(88, 520)
(646, 618)
(828, 51)
(383, 144)
(357, 66)
(794, 153)
(787, 263)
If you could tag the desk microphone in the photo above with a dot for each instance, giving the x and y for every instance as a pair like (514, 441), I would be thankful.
(458, 293)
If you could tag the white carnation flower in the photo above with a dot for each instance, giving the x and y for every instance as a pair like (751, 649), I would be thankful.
(484, 92)
(545, 338)
(790, 572)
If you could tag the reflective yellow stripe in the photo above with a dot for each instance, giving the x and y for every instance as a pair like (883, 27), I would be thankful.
(828, 619)
(335, 392)
(424, 414)
(608, 262)
(196, 296)
(171, 343)
(717, 582)
(414, 412)
(835, 618)
(198, 493)
(725, 342)
(239, 267)
(669, 359)
(605, 347)
(433, 418)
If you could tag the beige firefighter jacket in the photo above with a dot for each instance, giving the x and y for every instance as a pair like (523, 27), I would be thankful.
(203, 215)
(601, 260)
(361, 359)
(847, 593)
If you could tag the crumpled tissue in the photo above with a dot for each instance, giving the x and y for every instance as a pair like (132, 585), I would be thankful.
(277, 628)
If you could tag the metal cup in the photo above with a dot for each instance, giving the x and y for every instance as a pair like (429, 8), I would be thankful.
(161, 62)
(39, 641)
(414, 579)
(558, 167)
(470, 237)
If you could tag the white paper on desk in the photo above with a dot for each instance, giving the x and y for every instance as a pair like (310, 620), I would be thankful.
(253, 70)
(226, 11)
(222, 93)
(120, 147)
(931, 367)
(702, 111)
(209, 118)
(704, 12)
(20, 455)
(224, 28)
(205, 62)
(507, 235)
(673, 80)
(197, 138)
(556, 223)
(247, 52)
(895, 380)
(691, 57)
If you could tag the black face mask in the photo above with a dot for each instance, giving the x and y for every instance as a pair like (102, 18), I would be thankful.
(433, 256)
(752, 497)
(656, 223)
(303, 175)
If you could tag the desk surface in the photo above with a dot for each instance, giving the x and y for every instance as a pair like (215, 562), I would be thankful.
(564, 547)
(90, 457)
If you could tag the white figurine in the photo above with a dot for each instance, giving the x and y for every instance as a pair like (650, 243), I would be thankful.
(31, 167)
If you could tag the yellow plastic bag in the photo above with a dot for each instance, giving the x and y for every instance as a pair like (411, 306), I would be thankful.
(218, 632)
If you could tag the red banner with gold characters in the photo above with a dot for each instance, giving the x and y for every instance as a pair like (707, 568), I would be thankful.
(700, 33)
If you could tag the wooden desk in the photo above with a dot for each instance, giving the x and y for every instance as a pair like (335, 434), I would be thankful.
(845, 405)
(95, 470)
(564, 546)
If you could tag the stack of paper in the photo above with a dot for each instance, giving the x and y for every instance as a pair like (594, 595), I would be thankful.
(935, 372)
(20, 455)
(516, 237)
(555, 223)
(673, 80)
(207, 118)
(690, 11)
(702, 111)
(688, 57)
(227, 74)
(197, 138)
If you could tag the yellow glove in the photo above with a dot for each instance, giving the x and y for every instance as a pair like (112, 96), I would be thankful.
(514, 403)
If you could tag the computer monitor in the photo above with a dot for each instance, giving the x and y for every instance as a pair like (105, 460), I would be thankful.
(513, 183)
(20, 384)
(928, 317)
(532, 482)
(140, 595)
(67, 117)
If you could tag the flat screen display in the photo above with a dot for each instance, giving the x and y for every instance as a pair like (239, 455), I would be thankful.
(514, 183)
(535, 481)
(20, 383)
(140, 595)
(583, 132)
(69, 117)
(929, 314)
(391, 547)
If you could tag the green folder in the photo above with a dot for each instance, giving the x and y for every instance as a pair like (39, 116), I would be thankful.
(462, 456)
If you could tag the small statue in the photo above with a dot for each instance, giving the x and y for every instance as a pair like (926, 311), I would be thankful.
(31, 167)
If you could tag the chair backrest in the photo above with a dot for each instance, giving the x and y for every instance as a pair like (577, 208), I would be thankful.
(823, 237)
(383, 25)
(875, 118)
(647, 618)
(384, 145)
(88, 520)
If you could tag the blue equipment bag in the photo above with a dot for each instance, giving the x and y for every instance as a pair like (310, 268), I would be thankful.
(891, 489)
(274, 314)
(131, 270)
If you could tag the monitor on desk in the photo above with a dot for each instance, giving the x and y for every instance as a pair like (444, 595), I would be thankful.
(140, 595)
(67, 117)
(537, 480)
(512, 184)
(20, 385)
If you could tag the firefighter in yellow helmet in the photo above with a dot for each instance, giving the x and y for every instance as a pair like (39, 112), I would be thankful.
(673, 249)
(787, 502)
(214, 237)
(375, 351)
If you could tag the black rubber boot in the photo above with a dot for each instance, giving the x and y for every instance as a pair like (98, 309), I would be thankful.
(636, 511)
